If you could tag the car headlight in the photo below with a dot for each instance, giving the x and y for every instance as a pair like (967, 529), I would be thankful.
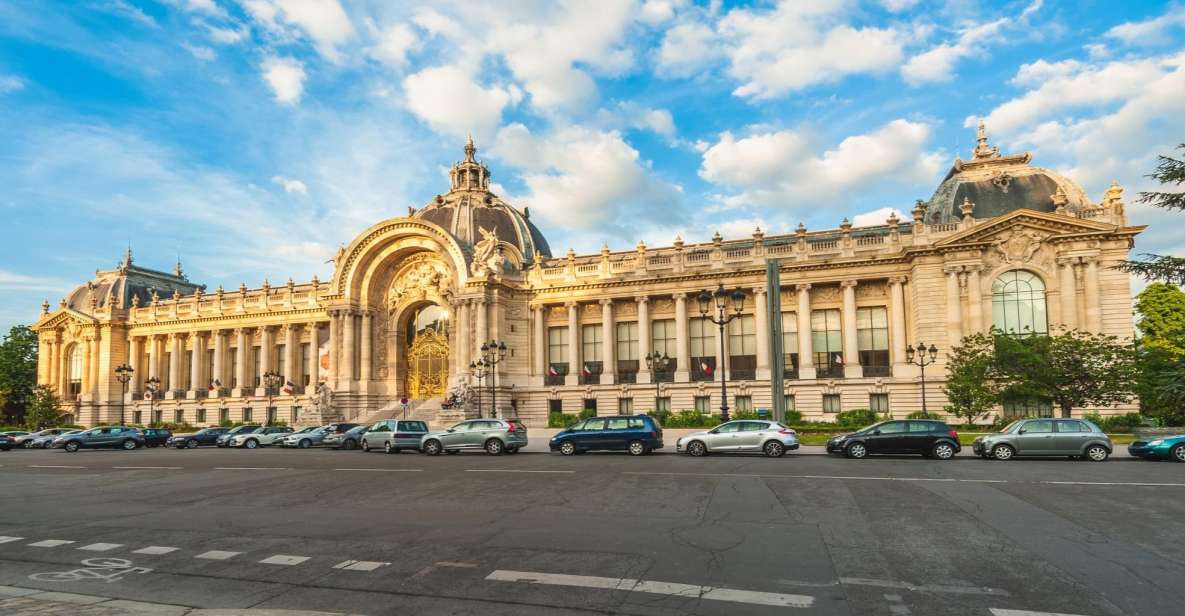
(1157, 442)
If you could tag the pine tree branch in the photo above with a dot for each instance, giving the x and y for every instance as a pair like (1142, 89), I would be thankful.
(1157, 267)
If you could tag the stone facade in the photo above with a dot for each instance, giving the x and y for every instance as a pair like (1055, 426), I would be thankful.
(577, 327)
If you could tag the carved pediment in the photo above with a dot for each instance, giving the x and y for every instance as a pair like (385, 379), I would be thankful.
(63, 317)
(1039, 224)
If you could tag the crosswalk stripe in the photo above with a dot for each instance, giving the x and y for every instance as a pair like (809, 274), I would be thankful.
(10, 539)
(50, 543)
(283, 559)
(359, 565)
(155, 550)
(659, 588)
(1002, 612)
(217, 555)
(101, 547)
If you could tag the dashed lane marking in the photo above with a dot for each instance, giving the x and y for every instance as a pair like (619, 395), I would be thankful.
(252, 468)
(511, 470)
(10, 539)
(934, 588)
(776, 476)
(1002, 612)
(1111, 483)
(149, 468)
(382, 470)
(217, 555)
(659, 588)
(53, 466)
(359, 565)
(897, 605)
(101, 547)
(50, 543)
(283, 559)
(155, 550)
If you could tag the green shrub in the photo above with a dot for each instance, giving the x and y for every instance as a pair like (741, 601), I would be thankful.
(559, 419)
(691, 419)
(745, 415)
(923, 415)
(793, 417)
(1120, 423)
(856, 418)
(660, 416)
(586, 413)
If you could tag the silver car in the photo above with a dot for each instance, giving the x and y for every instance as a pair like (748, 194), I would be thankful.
(37, 440)
(392, 435)
(741, 436)
(493, 435)
(260, 438)
(1075, 438)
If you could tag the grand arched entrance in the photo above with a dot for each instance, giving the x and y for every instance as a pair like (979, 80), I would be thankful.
(427, 352)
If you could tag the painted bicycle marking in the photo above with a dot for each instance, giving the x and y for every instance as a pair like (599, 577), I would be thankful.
(108, 569)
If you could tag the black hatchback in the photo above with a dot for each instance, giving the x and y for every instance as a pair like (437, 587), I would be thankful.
(927, 437)
(155, 437)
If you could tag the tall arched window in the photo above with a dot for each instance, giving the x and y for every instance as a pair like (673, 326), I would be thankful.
(74, 386)
(1018, 303)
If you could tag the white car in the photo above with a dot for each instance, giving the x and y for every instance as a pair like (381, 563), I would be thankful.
(261, 437)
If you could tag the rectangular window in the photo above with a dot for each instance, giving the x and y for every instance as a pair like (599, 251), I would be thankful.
(878, 403)
(790, 345)
(158, 417)
(184, 369)
(872, 340)
(271, 415)
(179, 416)
(555, 406)
(664, 403)
(827, 343)
(790, 403)
(247, 415)
(742, 348)
(703, 404)
(293, 414)
(257, 362)
(831, 403)
(702, 340)
(281, 365)
(209, 367)
(557, 355)
(166, 373)
(224, 415)
(662, 342)
(625, 406)
(201, 416)
(306, 350)
(138, 417)
(234, 368)
(1027, 407)
(744, 404)
(627, 352)
(590, 344)
(590, 404)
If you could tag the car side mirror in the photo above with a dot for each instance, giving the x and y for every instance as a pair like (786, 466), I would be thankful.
(876, 432)
(1022, 431)
(451, 430)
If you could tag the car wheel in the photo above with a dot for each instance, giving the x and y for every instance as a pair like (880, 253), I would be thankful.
(387, 448)
(365, 446)
(433, 447)
(27, 444)
(305, 443)
(350, 444)
(191, 444)
(636, 448)
(943, 451)
(72, 446)
(697, 449)
(567, 448)
(251, 444)
(774, 449)
(1003, 452)
(494, 447)
(128, 444)
(1097, 453)
(856, 450)
(1177, 454)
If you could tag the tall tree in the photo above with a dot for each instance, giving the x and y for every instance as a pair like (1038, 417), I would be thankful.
(972, 387)
(1161, 308)
(43, 411)
(18, 371)
(1169, 172)
(1071, 369)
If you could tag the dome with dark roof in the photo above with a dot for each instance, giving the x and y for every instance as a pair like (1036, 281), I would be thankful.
(116, 288)
(469, 206)
(995, 185)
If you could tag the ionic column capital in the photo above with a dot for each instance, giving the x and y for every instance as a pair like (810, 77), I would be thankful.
(606, 301)
(571, 303)
(803, 287)
(642, 299)
(679, 296)
(898, 279)
(850, 283)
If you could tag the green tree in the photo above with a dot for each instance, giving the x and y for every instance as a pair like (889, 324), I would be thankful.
(1071, 369)
(972, 385)
(1169, 172)
(18, 371)
(43, 411)
(1162, 317)
(1161, 384)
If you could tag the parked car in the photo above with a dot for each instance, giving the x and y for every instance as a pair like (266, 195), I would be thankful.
(350, 439)
(13, 434)
(1076, 438)
(393, 435)
(44, 442)
(1163, 448)
(928, 437)
(223, 440)
(155, 437)
(315, 437)
(26, 440)
(6, 442)
(205, 436)
(495, 436)
(122, 437)
(637, 434)
(741, 436)
(262, 437)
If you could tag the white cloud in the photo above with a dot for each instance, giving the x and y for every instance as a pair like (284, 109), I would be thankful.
(201, 52)
(655, 12)
(324, 21)
(938, 63)
(437, 24)
(686, 49)
(394, 43)
(877, 217)
(14, 281)
(226, 36)
(286, 78)
(448, 99)
(896, 6)
(781, 169)
(11, 83)
(290, 185)
(629, 114)
(1154, 31)
(208, 7)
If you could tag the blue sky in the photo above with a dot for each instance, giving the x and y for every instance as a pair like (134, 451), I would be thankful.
(253, 137)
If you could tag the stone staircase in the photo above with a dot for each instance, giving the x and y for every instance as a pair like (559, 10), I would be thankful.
(423, 410)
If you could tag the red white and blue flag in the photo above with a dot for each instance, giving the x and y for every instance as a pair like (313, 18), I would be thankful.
(289, 387)
(705, 367)
(551, 371)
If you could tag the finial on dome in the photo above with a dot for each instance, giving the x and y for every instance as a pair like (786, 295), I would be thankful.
(127, 258)
(45, 307)
(470, 149)
(982, 149)
(177, 271)
(1059, 200)
(966, 208)
(1114, 194)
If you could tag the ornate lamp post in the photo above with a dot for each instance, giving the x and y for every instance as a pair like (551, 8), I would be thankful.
(152, 386)
(922, 357)
(123, 374)
(478, 370)
(722, 299)
(271, 382)
(493, 353)
(657, 364)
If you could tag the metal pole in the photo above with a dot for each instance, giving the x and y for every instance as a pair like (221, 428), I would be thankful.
(925, 413)
(493, 390)
(777, 354)
(723, 382)
(123, 400)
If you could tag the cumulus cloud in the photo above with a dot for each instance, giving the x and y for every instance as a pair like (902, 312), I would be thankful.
(781, 169)
(877, 217)
(201, 52)
(629, 114)
(11, 83)
(448, 99)
(896, 6)
(290, 186)
(686, 49)
(323, 21)
(286, 78)
(393, 45)
(15, 281)
(1154, 31)
(938, 63)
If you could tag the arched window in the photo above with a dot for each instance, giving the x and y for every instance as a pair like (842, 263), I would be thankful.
(74, 386)
(1018, 304)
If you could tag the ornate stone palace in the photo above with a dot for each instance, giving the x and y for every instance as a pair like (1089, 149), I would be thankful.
(413, 298)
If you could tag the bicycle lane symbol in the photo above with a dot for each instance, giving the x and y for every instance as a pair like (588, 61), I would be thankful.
(107, 569)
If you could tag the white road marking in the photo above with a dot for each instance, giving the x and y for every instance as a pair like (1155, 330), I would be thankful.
(771, 476)
(444, 563)
(510, 470)
(146, 468)
(283, 559)
(217, 555)
(938, 588)
(10, 539)
(53, 466)
(897, 605)
(359, 565)
(252, 468)
(1002, 612)
(1113, 483)
(50, 543)
(101, 547)
(383, 470)
(155, 550)
(658, 588)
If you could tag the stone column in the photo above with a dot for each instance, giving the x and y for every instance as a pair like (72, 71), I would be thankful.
(314, 355)
(974, 300)
(87, 349)
(806, 360)
(608, 347)
(267, 350)
(349, 348)
(463, 345)
(291, 350)
(241, 361)
(851, 354)
(175, 350)
(540, 341)
(954, 309)
(96, 360)
(1068, 292)
(574, 367)
(897, 323)
(153, 357)
(1090, 289)
(197, 357)
(219, 358)
(481, 333)
(682, 339)
(366, 359)
(761, 324)
(335, 336)
(135, 360)
(643, 337)
(50, 359)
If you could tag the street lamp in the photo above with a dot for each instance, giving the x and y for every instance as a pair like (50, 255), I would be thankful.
(271, 382)
(478, 370)
(722, 299)
(493, 353)
(152, 386)
(657, 364)
(922, 357)
(123, 374)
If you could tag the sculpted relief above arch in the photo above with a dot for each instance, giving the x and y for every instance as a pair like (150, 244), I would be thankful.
(422, 277)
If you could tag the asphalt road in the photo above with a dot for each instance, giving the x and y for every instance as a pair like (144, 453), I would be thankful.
(535, 533)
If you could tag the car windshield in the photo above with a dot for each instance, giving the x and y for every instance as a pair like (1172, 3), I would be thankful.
(873, 427)
(206, 431)
(1012, 426)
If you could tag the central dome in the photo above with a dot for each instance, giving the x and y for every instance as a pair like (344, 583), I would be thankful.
(469, 206)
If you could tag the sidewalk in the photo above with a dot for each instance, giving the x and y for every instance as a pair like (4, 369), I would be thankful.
(15, 601)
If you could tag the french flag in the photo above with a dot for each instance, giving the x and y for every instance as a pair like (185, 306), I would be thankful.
(705, 367)
(215, 384)
(289, 387)
(585, 371)
(551, 371)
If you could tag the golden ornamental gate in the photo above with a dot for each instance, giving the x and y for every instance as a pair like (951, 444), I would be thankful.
(427, 364)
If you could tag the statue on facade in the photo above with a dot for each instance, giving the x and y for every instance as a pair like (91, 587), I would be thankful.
(324, 399)
(487, 255)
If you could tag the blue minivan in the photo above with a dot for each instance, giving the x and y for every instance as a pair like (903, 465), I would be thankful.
(637, 434)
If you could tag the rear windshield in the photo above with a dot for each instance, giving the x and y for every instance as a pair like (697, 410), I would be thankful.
(413, 426)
